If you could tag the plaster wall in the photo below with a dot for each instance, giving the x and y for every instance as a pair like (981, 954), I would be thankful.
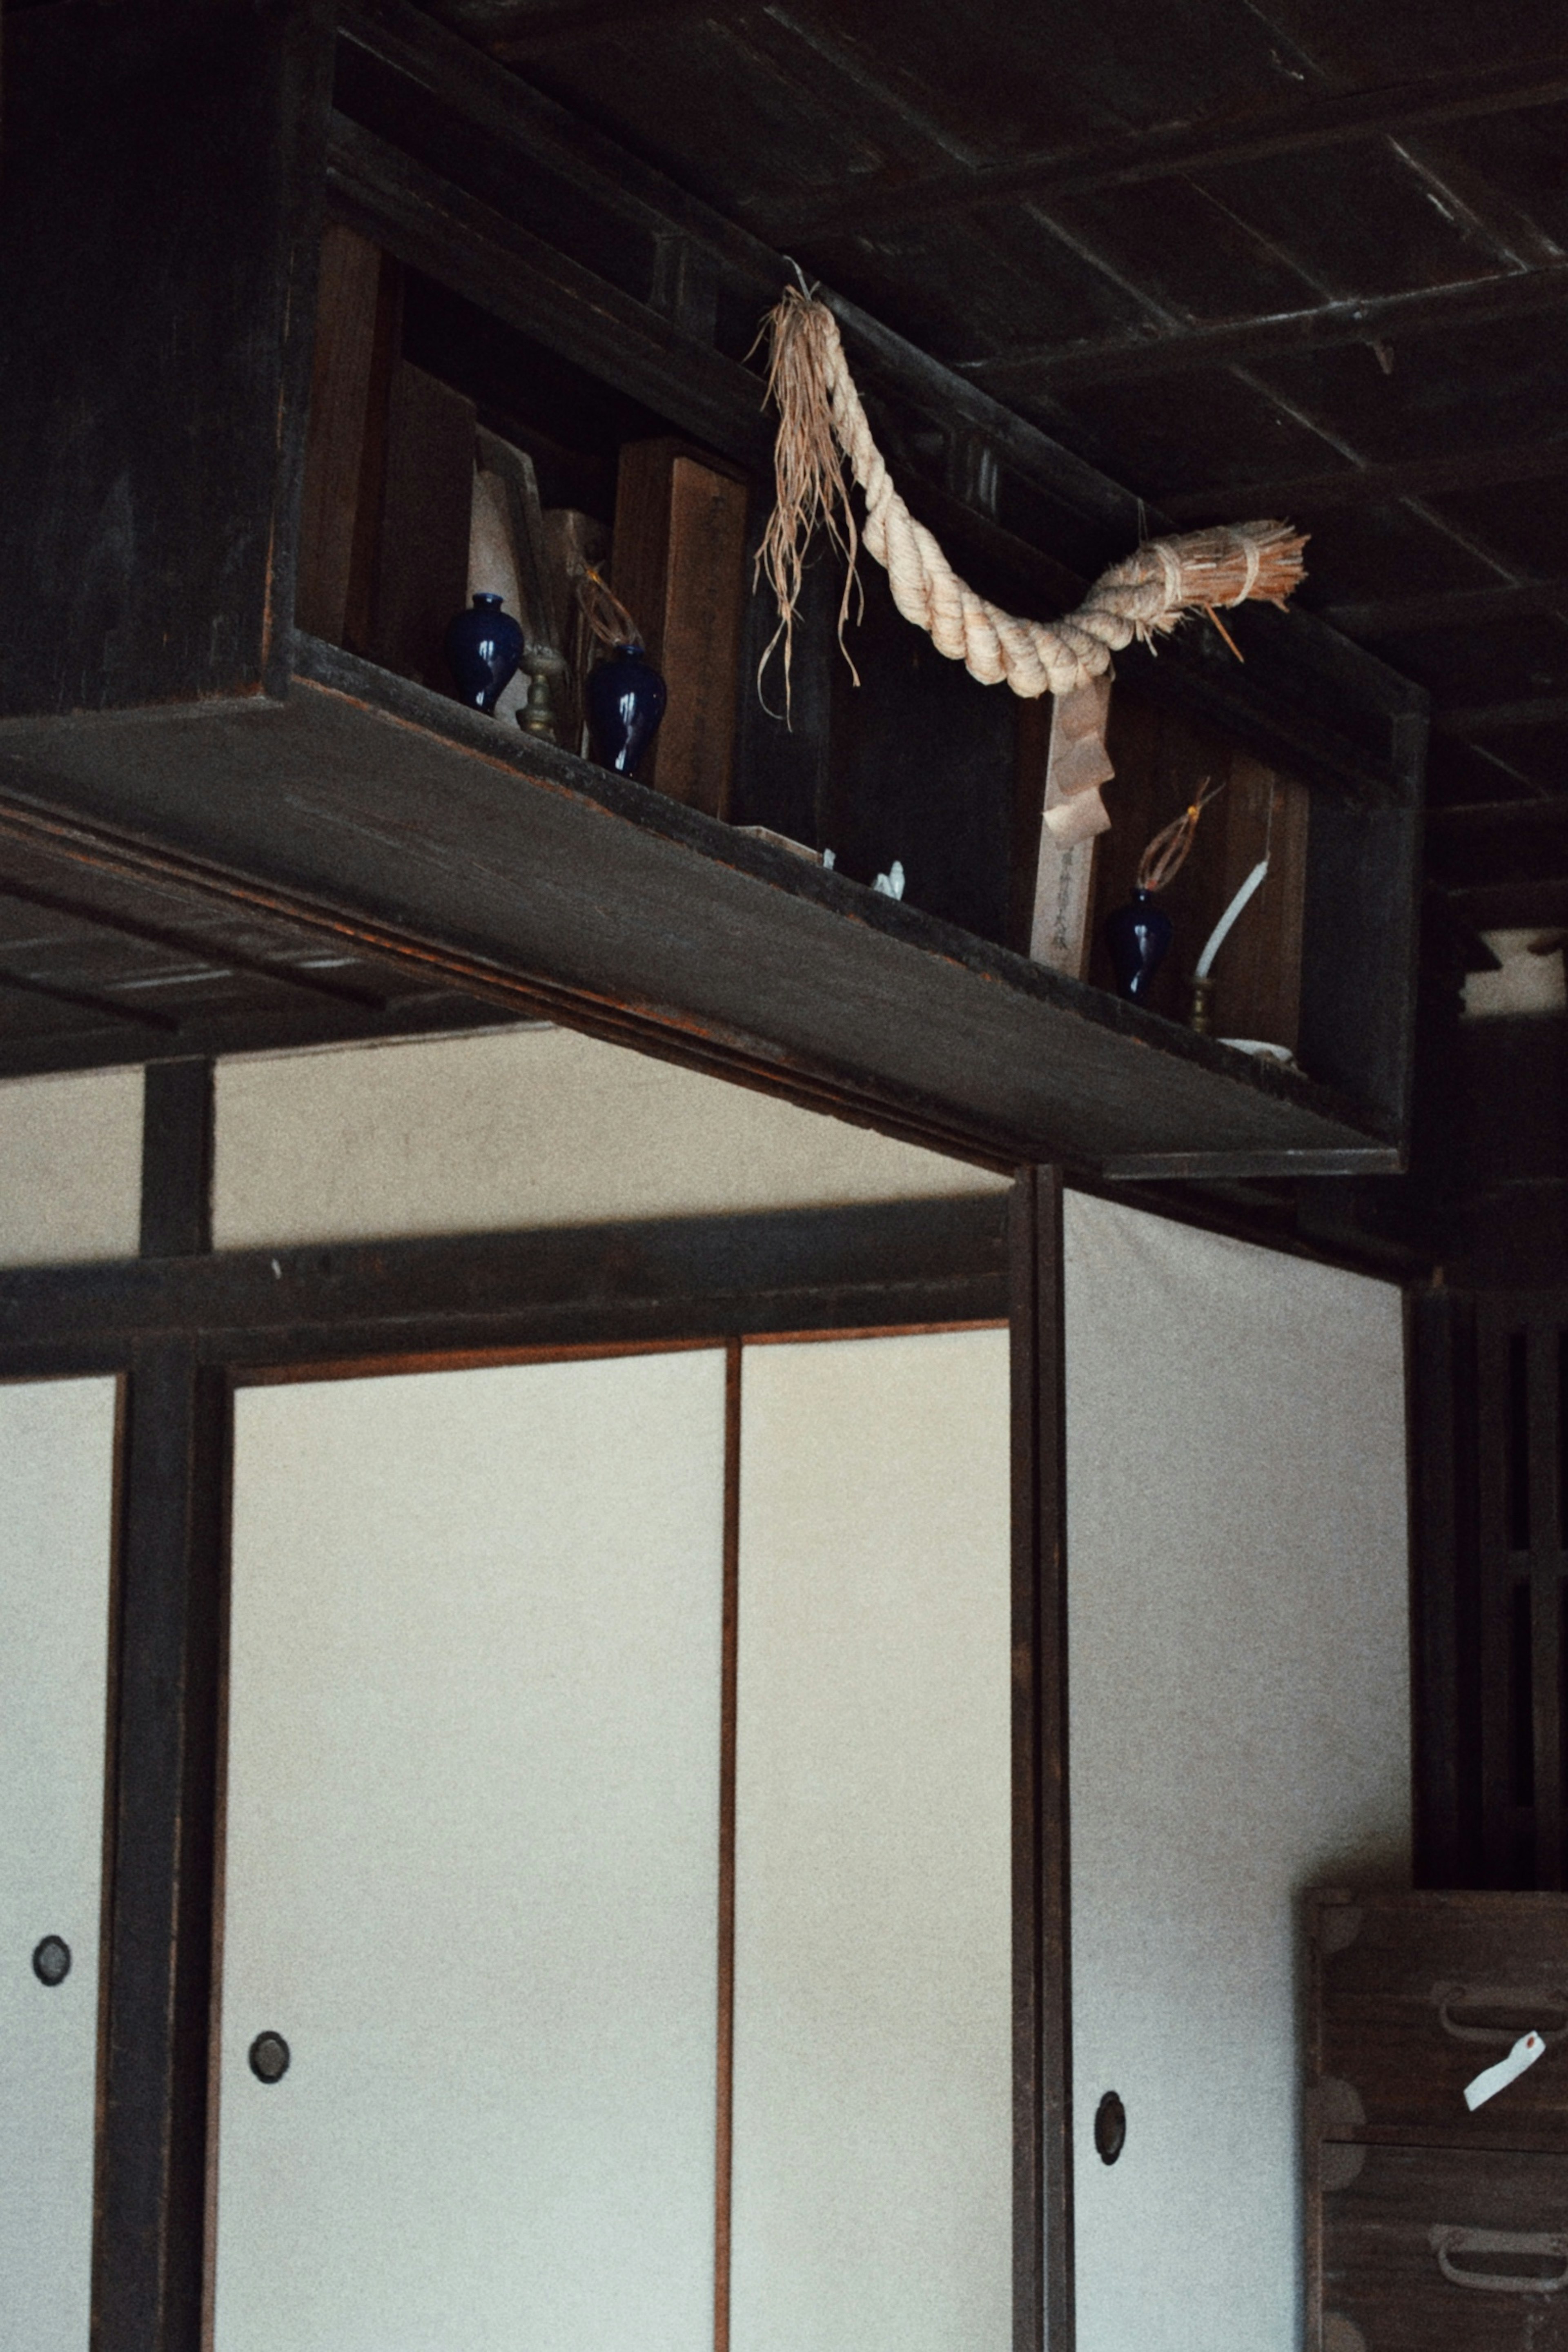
(525, 1126)
(70, 1166)
(1237, 1556)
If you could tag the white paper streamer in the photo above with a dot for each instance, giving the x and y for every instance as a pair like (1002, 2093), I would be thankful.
(1525, 2053)
(1221, 931)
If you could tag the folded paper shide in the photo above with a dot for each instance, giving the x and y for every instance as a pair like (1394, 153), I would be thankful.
(1486, 2085)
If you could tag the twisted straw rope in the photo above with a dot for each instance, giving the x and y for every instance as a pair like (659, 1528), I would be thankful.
(1143, 596)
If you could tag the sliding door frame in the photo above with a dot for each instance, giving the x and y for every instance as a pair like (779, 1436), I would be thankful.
(184, 1325)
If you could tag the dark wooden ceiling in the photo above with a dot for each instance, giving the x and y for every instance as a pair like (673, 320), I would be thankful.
(1297, 256)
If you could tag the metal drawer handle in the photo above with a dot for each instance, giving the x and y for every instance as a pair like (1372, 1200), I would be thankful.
(1516, 2000)
(1448, 2240)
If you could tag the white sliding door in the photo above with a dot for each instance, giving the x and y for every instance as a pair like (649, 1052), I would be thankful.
(1240, 1708)
(872, 2170)
(56, 1521)
(472, 1861)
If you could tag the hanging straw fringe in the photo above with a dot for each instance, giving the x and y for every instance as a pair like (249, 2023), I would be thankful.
(602, 609)
(1166, 853)
(823, 430)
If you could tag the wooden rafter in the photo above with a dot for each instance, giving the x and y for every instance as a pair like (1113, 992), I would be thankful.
(1460, 608)
(1412, 477)
(1501, 718)
(1174, 150)
(1382, 318)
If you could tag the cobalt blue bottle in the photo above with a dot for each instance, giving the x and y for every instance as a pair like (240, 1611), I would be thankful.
(1139, 937)
(626, 702)
(484, 646)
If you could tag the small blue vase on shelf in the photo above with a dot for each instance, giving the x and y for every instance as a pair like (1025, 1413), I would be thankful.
(484, 646)
(1139, 937)
(626, 702)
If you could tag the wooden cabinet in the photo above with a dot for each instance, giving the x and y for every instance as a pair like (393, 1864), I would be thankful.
(1429, 2226)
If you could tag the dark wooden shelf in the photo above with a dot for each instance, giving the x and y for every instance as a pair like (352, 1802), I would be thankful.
(477, 868)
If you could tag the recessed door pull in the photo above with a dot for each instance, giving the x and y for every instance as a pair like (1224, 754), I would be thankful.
(52, 1960)
(1110, 2128)
(270, 2055)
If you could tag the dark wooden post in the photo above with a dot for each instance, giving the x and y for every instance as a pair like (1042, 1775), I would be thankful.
(1042, 1987)
(152, 2143)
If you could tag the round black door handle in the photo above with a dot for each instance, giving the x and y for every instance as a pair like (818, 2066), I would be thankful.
(52, 1960)
(1110, 2128)
(270, 2055)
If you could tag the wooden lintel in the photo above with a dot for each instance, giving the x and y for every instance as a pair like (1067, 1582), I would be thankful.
(862, 1267)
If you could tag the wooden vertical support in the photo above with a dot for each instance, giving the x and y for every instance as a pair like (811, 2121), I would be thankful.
(728, 1668)
(1434, 1630)
(177, 1159)
(1257, 974)
(679, 568)
(422, 561)
(1042, 2061)
(153, 2152)
(1545, 1599)
(348, 304)
(1496, 1580)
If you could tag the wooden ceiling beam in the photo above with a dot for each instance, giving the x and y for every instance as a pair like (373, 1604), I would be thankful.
(105, 1007)
(223, 962)
(1500, 717)
(1461, 608)
(1412, 477)
(511, 33)
(1374, 319)
(1476, 818)
(1182, 149)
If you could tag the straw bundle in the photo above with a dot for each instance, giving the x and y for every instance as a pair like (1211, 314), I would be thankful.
(823, 440)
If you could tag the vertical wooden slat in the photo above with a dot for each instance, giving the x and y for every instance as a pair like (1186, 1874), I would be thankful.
(422, 560)
(1434, 1591)
(724, 2132)
(177, 1159)
(348, 294)
(1496, 1588)
(152, 2139)
(1042, 2071)
(1545, 1600)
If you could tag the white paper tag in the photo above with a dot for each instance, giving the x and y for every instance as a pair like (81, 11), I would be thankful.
(1525, 2053)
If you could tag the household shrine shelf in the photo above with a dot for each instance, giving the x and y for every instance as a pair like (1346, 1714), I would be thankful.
(218, 833)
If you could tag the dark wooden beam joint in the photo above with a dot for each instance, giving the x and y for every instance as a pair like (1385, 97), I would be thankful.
(177, 1159)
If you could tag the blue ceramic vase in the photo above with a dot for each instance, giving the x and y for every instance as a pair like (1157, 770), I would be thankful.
(1139, 937)
(626, 702)
(484, 646)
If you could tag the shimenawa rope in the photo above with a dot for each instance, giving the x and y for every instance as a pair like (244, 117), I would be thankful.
(823, 430)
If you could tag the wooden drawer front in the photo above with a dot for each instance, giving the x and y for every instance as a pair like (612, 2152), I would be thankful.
(1418, 1994)
(1428, 2250)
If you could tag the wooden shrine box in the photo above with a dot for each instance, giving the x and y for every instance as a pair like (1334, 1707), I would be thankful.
(1428, 2225)
(219, 829)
